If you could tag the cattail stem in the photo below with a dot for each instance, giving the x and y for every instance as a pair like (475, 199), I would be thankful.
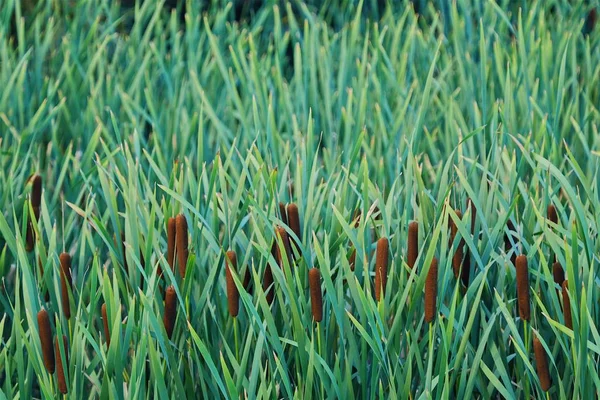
(233, 295)
(316, 296)
(381, 265)
(523, 288)
(542, 364)
(413, 244)
(66, 283)
(105, 323)
(431, 291)
(45, 333)
(182, 250)
(170, 310)
(61, 364)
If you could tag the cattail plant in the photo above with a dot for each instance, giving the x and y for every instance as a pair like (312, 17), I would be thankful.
(458, 253)
(283, 213)
(567, 305)
(170, 310)
(541, 363)
(431, 291)
(294, 223)
(66, 282)
(181, 227)
(381, 265)
(45, 333)
(316, 297)
(171, 233)
(36, 201)
(105, 323)
(61, 364)
(523, 287)
(413, 243)
(233, 295)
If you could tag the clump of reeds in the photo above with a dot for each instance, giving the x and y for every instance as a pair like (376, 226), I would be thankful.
(36, 201)
(66, 282)
(45, 333)
(431, 291)
(170, 310)
(105, 323)
(294, 223)
(233, 295)
(567, 305)
(381, 265)
(181, 228)
(541, 364)
(316, 296)
(523, 287)
(61, 364)
(457, 257)
(171, 233)
(413, 243)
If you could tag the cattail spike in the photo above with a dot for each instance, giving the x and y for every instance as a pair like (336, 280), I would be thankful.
(66, 283)
(171, 233)
(457, 258)
(431, 291)
(61, 366)
(558, 273)
(282, 234)
(316, 296)
(283, 213)
(170, 310)
(552, 215)
(105, 323)
(523, 287)
(182, 243)
(541, 364)
(413, 243)
(381, 265)
(233, 295)
(294, 222)
(567, 305)
(45, 333)
(36, 191)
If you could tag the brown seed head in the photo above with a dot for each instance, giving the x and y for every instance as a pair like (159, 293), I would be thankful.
(182, 243)
(66, 282)
(431, 291)
(541, 364)
(283, 213)
(413, 243)
(381, 265)
(567, 305)
(105, 322)
(36, 191)
(457, 258)
(61, 365)
(171, 233)
(316, 297)
(558, 273)
(523, 287)
(294, 221)
(233, 295)
(170, 310)
(45, 333)
(285, 239)
(552, 215)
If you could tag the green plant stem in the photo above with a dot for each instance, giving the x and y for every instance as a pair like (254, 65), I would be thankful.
(235, 336)
(526, 338)
(320, 351)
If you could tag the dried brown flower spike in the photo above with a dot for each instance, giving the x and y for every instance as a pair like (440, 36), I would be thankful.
(66, 282)
(523, 287)
(541, 364)
(294, 222)
(61, 364)
(457, 258)
(45, 333)
(233, 295)
(431, 291)
(285, 239)
(567, 305)
(182, 243)
(283, 213)
(552, 215)
(413, 243)
(381, 265)
(171, 233)
(316, 297)
(170, 310)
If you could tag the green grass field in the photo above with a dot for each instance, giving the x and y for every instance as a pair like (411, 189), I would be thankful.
(476, 119)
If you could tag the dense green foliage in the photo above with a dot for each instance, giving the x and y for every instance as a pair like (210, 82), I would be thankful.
(132, 118)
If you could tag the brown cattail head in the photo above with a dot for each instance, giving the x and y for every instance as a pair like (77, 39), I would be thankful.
(431, 291)
(36, 191)
(294, 221)
(523, 287)
(283, 213)
(413, 243)
(170, 310)
(541, 364)
(268, 286)
(567, 305)
(46, 339)
(233, 295)
(66, 282)
(316, 297)
(552, 215)
(381, 265)
(62, 365)
(171, 232)
(558, 273)
(105, 322)
(457, 258)
(182, 243)
(285, 239)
